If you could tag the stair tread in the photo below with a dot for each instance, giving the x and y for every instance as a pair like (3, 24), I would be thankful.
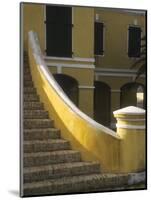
(59, 152)
(74, 180)
(41, 120)
(40, 129)
(48, 141)
(58, 166)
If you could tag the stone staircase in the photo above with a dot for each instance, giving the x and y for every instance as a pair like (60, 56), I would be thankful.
(50, 165)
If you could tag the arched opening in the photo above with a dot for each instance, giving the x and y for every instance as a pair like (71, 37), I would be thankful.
(132, 94)
(69, 86)
(102, 103)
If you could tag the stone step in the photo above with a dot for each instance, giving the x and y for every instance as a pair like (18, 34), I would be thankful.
(33, 105)
(46, 158)
(76, 184)
(27, 77)
(28, 83)
(32, 174)
(26, 69)
(41, 134)
(35, 114)
(31, 97)
(30, 90)
(38, 123)
(46, 145)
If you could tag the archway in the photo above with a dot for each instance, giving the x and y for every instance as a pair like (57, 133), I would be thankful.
(69, 86)
(102, 103)
(132, 94)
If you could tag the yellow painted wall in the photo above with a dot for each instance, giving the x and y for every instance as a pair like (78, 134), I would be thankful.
(114, 153)
(33, 19)
(89, 140)
(83, 38)
(83, 76)
(116, 38)
(86, 101)
(83, 32)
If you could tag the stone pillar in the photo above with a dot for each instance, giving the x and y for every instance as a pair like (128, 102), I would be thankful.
(131, 129)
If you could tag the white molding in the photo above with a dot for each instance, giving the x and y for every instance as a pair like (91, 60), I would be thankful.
(125, 126)
(130, 110)
(41, 65)
(116, 72)
(86, 87)
(47, 58)
(119, 10)
(59, 69)
(130, 120)
(82, 66)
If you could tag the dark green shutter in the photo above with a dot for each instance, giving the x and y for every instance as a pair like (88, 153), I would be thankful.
(59, 31)
(98, 38)
(134, 42)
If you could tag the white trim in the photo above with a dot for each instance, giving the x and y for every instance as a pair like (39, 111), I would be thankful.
(125, 126)
(116, 72)
(59, 69)
(86, 87)
(82, 66)
(33, 41)
(119, 10)
(130, 110)
(130, 120)
(69, 59)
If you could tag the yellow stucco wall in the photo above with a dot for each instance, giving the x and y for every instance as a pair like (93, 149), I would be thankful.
(33, 19)
(83, 39)
(83, 32)
(121, 152)
(116, 37)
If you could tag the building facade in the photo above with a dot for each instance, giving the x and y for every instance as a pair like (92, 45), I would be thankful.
(90, 52)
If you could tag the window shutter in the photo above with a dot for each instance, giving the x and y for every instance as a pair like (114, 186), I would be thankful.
(98, 40)
(134, 42)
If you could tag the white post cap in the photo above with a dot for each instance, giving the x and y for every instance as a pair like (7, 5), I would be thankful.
(130, 110)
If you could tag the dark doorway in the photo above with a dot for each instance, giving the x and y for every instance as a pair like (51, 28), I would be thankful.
(132, 94)
(102, 103)
(69, 86)
(59, 31)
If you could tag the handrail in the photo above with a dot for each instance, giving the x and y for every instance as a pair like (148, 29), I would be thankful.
(42, 65)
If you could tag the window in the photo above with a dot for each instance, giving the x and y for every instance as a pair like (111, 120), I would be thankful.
(59, 31)
(98, 38)
(134, 41)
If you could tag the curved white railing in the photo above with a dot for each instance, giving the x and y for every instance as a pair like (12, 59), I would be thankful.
(33, 39)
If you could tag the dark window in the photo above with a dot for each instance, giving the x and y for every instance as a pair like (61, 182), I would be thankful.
(134, 42)
(98, 38)
(59, 31)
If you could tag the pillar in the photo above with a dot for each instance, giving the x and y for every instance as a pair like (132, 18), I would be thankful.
(131, 129)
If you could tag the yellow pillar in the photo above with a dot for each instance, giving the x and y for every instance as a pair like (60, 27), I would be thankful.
(131, 129)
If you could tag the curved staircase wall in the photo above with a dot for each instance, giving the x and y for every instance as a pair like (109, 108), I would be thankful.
(94, 141)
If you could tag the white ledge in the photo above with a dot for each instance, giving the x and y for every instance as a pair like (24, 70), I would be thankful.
(125, 126)
(69, 59)
(130, 110)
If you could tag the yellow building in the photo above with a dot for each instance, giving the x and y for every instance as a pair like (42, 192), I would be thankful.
(89, 52)
(96, 81)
